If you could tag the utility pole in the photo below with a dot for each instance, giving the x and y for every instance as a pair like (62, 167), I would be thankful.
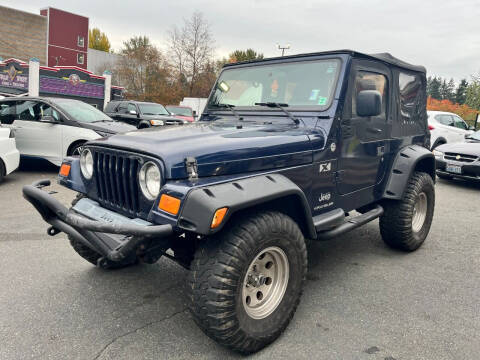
(283, 48)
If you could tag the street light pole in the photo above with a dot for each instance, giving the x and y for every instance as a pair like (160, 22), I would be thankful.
(283, 48)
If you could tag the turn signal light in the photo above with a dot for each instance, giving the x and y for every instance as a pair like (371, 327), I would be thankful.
(65, 169)
(169, 204)
(218, 217)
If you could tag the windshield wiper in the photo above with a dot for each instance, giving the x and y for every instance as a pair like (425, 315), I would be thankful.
(229, 107)
(281, 107)
(104, 120)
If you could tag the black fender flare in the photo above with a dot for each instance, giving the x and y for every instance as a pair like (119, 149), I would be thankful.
(438, 140)
(201, 203)
(142, 124)
(409, 159)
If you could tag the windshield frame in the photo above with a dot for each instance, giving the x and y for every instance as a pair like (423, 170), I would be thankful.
(139, 105)
(303, 108)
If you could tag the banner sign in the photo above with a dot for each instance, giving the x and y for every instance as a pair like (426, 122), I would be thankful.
(13, 76)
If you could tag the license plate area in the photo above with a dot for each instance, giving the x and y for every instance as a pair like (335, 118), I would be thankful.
(455, 169)
(94, 211)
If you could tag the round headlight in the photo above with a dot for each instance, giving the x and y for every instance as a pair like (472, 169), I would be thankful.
(150, 180)
(86, 163)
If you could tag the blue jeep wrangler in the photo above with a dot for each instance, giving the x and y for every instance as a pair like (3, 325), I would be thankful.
(288, 149)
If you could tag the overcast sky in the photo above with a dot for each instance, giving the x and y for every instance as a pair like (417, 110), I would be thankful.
(444, 36)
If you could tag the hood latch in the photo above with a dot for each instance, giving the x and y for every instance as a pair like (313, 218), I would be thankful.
(192, 168)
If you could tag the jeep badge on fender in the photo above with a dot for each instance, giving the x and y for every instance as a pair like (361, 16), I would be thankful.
(286, 149)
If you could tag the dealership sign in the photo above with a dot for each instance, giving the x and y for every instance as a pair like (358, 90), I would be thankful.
(10, 76)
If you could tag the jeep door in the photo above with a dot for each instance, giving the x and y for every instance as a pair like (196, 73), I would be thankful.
(38, 131)
(364, 139)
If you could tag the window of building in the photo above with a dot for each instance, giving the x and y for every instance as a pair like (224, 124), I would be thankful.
(81, 41)
(370, 81)
(80, 58)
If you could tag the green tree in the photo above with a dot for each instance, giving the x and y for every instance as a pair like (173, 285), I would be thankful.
(461, 93)
(98, 40)
(472, 98)
(434, 88)
(244, 55)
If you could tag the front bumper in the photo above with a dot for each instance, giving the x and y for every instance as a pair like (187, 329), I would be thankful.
(470, 171)
(94, 234)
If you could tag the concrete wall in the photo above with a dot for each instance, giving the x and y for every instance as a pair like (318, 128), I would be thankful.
(99, 61)
(22, 35)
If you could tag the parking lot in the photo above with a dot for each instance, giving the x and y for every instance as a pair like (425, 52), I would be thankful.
(362, 300)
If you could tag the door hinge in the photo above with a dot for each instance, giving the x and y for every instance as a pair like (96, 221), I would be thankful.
(192, 168)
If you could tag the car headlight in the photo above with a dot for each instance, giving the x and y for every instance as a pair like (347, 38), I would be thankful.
(150, 179)
(86, 163)
(437, 153)
(157, 122)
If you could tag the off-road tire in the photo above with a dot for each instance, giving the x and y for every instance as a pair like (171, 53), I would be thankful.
(396, 223)
(445, 177)
(217, 275)
(90, 255)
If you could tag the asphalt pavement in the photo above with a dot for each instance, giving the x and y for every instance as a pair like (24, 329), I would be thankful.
(362, 300)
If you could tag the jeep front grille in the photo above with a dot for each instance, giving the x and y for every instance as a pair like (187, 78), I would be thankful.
(460, 157)
(116, 180)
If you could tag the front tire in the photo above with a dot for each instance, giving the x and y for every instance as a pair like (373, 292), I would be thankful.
(245, 283)
(405, 223)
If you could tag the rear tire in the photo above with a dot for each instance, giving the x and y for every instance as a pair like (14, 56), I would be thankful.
(405, 223)
(246, 282)
(2, 170)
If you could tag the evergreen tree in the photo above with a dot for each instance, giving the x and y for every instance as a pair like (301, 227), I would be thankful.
(434, 91)
(450, 91)
(472, 98)
(461, 93)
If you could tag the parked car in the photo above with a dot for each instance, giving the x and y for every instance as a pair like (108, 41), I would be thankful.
(459, 160)
(9, 155)
(286, 149)
(181, 112)
(141, 114)
(52, 128)
(446, 127)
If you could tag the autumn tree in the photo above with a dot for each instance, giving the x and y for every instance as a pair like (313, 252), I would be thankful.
(191, 52)
(244, 55)
(98, 40)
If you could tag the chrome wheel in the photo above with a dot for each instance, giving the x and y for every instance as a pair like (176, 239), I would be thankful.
(265, 282)
(419, 212)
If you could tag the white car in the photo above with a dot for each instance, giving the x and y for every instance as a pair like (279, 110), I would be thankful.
(9, 155)
(52, 128)
(446, 128)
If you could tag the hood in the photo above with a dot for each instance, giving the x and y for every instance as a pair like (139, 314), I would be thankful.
(220, 149)
(111, 127)
(467, 148)
(186, 118)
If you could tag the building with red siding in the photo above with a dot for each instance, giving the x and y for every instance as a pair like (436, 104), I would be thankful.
(67, 38)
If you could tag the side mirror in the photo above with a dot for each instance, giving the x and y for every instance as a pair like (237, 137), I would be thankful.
(477, 122)
(48, 119)
(132, 112)
(471, 127)
(369, 103)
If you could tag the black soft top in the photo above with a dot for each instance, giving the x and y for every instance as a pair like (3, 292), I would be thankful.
(384, 57)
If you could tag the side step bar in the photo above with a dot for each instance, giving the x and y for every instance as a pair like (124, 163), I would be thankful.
(350, 224)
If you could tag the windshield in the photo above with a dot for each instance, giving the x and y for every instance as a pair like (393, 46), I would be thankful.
(153, 109)
(300, 84)
(475, 136)
(178, 110)
(82, 112)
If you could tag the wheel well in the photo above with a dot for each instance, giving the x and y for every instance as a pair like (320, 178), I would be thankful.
(3, 168)
(426, 165)
(290, 205)
(439, 141)
(72, 145)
